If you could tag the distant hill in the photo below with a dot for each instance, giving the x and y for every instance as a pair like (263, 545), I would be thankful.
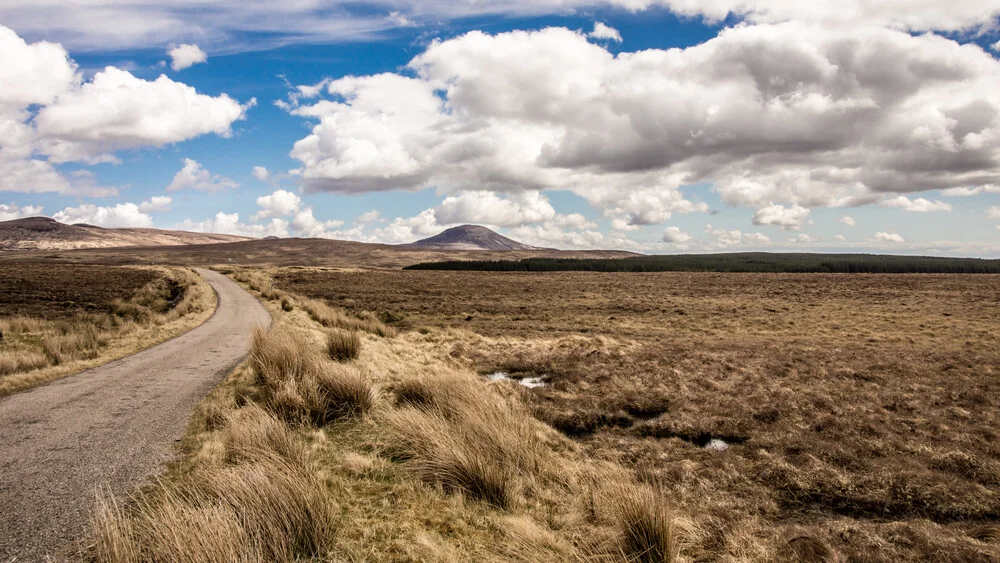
(43, 233)
(472, 237)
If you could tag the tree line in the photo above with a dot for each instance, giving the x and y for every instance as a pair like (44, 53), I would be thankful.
(735, 262)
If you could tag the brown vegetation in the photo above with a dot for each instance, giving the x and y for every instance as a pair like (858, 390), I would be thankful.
(796, 417)
(60, 319)
(424, 461)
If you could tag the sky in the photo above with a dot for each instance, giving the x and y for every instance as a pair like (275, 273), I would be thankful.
(656, 126)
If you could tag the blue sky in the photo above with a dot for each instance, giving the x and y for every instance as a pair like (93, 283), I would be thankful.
(645, 125)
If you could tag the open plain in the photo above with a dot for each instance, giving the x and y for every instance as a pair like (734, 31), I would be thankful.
(812, 416)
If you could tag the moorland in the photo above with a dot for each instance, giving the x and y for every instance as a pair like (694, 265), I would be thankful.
(680, 416)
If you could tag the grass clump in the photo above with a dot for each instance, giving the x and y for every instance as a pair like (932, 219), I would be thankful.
(298, 385)
(343, 345)
(330, 317)
(268, 510)
(457, 433)
(648, 534)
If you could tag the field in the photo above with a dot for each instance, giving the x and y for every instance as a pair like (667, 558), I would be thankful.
(846, 416)
(58, 319)
(682, 417)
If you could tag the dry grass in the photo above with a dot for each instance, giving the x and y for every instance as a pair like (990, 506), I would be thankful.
(464, 438)
(266, 510)
(342, 345)
(440, 466)
(859, 412)
(297, 384)
(60, 320)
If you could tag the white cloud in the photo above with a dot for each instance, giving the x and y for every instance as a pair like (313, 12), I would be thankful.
(841, 238)
(993, 212)
(261, 173)
(304, 224)
(675, 235)
(229, 224)
(919, 205)
(49, 115)
(603, 31)
(281, 203)
(967, 191)
(9, 212)
(120, 215)
(368, 217)
(789, 219)
(996, 46)
(848, 220)
(721, 238)
(788, 116)
(117, 111)
(145, 23)
(888, 237)
(156, 204)
(195, 177)
(185, 56)
(487, 208)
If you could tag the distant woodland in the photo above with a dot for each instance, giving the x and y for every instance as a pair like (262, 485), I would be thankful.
(735, 262)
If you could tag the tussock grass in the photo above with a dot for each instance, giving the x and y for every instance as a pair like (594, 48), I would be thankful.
(343, 345)
(297, 384)
(335, 318)
(648, 534)
(267, 510)
(62, 341)
(463, 436)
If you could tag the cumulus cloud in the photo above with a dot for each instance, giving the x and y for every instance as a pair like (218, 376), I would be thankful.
(722, 238)
(848, 220)
(289, 217)
(788, 218)
(156, 204)
(487, 208)
(50, 115)
(602, 31)
(281, 203)
(368, 217)
(919, 205)
(789, 114)
(971, 191)
(993, 212)
(888, 237)
(675, 235)
(841, 238)
(261, 173)
(195, 177)
(230, 224)
(11, 211)
(117, 216)
(185, 56)
(145, 23)
(116, 111)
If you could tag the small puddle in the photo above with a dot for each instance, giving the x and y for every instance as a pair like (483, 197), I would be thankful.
(529, 382)
(716, 445)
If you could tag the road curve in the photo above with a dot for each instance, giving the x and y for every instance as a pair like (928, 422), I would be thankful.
(112, 426)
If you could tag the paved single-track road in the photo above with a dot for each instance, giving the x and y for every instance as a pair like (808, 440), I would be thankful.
(111, 426)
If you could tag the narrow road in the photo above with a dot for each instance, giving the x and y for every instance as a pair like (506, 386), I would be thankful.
(111, 426)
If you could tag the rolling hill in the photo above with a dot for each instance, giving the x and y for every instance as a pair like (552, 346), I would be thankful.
(43, 233)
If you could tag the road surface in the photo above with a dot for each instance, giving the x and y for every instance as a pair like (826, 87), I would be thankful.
(111, 426)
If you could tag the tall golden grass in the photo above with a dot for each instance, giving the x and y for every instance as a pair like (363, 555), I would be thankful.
(441, 466)
(36, 350)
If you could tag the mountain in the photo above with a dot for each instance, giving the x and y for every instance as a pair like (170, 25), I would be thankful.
(42, 233)
(472, 237)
